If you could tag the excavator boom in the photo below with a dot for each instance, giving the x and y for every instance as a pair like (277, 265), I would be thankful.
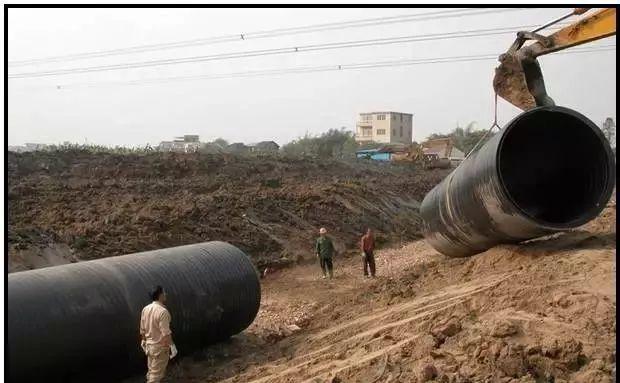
(518, 78)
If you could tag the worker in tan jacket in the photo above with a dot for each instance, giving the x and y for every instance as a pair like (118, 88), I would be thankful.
(156, 335)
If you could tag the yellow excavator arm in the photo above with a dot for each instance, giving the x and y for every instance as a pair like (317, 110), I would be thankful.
(518, 78)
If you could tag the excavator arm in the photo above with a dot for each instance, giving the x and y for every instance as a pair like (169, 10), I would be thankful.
(518, 78)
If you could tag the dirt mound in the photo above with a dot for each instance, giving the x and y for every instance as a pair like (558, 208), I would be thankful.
(103, 205)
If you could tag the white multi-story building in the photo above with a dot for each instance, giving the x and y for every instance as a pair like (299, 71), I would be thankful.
(384, 127)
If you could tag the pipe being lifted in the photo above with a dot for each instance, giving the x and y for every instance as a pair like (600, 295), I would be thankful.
(550, 169)
(76, 322)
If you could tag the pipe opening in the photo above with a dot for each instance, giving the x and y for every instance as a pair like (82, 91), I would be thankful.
(557, 167)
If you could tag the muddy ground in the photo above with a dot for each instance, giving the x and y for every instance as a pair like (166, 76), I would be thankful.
(70, 206)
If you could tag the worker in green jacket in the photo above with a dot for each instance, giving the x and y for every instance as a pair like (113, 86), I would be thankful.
(324, 252)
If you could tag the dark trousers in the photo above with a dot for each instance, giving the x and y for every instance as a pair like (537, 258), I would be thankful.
(369, 261)
(327, 266)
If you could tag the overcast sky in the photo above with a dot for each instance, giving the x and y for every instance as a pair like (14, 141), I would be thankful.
(280, 107)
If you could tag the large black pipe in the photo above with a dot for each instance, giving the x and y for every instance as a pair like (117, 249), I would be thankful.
(548, 170)
(78, 321)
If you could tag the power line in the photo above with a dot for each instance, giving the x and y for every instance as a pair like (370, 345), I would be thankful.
(274, 51)
(268, 33)
(323, 68)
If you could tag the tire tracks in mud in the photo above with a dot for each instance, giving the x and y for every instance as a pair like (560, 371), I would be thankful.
(408, 319)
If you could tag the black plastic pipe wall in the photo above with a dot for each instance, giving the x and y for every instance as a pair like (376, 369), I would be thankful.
(548, 170)
(81, 321)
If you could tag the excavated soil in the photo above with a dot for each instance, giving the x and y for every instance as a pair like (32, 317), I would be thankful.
(71, 206)
(543, 311)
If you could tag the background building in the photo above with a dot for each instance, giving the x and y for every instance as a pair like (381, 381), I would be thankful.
(444, 148)
(188, 143)
(265, 147)
(27, 148)
(384, 127)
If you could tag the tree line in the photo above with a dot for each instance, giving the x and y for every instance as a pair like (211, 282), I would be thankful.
(338, 143)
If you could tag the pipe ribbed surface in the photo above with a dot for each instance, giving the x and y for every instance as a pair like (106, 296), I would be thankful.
(548, 170)
(65, 322)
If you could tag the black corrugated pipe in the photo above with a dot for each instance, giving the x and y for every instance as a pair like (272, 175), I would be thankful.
(74, 322)
(548, 170)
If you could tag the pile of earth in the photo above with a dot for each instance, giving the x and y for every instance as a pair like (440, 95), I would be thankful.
(68, 206)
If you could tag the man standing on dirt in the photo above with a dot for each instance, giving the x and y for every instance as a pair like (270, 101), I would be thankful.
(156, 335)
(367, 245)
(324, 252)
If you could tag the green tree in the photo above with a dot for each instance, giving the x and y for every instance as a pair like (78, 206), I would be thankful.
(465, 139)
(299, 146)
(350, 146)
(221, 142)
(335, 143)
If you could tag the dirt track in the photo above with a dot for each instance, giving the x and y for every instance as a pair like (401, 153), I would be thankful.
(539, 312)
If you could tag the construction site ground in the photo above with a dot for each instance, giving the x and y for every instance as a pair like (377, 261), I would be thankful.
(537, 312)
(542, 311)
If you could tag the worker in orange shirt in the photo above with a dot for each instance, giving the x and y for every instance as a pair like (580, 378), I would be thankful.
(367, 245)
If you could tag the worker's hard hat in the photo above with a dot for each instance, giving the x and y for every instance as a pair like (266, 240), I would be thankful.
(323, 230)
